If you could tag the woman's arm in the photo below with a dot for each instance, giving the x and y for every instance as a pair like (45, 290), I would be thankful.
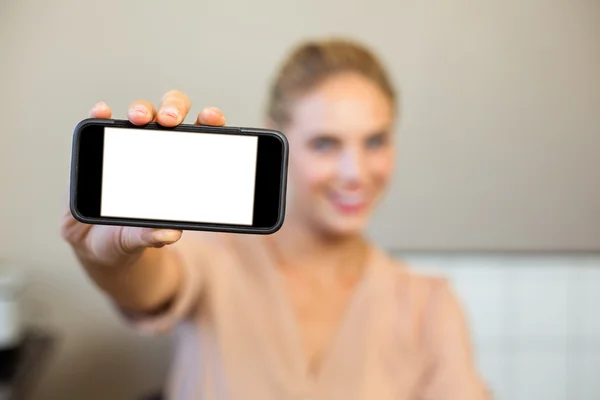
(141, 269)
(146, 286)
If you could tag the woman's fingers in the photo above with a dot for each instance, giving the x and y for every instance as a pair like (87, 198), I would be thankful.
(211, 116)
(175, 106)
(101, 110)
(141, 112)
(133, 239)
(173, 109)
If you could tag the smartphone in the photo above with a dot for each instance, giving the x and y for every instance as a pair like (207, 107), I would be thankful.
(188, 177)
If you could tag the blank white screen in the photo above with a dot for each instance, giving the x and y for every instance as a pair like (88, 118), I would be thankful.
(178, 176)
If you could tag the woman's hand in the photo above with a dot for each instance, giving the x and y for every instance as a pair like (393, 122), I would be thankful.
(105, 245)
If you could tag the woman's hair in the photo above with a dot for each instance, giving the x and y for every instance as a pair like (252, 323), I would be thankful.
(311, 63)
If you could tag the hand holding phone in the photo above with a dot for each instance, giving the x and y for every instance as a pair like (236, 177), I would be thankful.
(121, 259)
(114, 244)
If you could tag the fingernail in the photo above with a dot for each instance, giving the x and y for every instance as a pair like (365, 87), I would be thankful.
(139, 110)
(170, 112)
(216, 112)
(164, 236)
(99, 106)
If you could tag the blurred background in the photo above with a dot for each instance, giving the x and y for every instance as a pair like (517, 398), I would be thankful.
(497, 184)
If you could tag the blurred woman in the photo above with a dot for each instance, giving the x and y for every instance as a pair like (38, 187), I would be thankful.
(315, 311)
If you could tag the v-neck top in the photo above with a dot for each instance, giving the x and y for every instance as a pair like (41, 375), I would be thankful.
(403, 335)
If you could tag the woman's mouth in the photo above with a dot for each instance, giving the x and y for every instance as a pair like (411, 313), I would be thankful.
(349, 203)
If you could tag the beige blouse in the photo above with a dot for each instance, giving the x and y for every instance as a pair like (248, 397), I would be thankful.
(403, 336)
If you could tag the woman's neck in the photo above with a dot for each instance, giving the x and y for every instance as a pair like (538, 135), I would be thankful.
(297, 246)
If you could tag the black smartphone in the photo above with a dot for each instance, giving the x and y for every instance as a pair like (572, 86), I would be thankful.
(189, 177)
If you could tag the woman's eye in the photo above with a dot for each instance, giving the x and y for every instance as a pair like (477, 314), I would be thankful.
(324, 144)
(376, 141)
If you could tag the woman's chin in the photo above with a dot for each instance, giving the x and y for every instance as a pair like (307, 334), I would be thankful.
(344, 226)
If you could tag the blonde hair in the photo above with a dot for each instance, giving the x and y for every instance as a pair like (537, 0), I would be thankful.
(312, 62)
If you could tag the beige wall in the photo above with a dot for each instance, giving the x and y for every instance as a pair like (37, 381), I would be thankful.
(504, 94)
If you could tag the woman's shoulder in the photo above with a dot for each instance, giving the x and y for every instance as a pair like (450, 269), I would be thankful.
(404, 273)
(425, 293)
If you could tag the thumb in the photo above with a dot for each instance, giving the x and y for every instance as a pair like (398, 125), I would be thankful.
(133, 239)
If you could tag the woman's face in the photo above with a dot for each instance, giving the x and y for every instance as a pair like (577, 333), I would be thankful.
(341, 154)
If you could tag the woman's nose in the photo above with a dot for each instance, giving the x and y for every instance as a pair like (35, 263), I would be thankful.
(351, 165)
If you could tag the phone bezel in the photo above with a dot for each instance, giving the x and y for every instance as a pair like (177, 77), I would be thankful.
(271, 175)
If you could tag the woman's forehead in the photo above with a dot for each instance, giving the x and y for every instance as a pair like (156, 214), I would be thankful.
(341, 116)
(342, 103)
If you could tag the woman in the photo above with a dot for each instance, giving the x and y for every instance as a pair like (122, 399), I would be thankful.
(314, 311)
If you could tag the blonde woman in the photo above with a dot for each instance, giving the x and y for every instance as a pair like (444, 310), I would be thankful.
(315, 311)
